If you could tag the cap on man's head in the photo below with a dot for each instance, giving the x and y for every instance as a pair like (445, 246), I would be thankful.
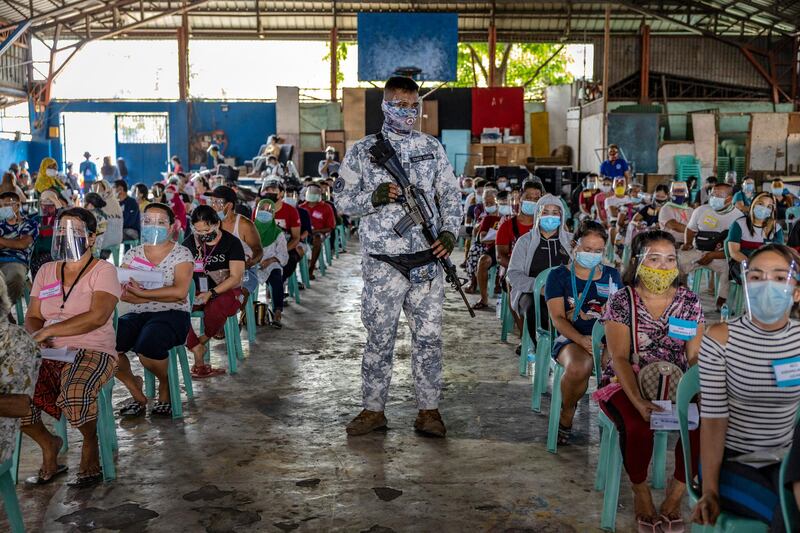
(226, 193)
(87, 155)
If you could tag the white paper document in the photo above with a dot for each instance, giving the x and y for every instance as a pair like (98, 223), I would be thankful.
(59, 354)
(667, 420)
(153, 279)
(491, 235)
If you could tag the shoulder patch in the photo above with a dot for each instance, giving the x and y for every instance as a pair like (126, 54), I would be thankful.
(423, 157)
(338, 185)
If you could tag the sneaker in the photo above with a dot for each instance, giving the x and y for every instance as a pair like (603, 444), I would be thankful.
(366, 422)
(429, 422)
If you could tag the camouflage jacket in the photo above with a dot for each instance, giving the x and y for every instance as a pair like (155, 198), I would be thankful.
(427, 166)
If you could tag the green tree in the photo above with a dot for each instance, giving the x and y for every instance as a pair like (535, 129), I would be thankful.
(530, 65)
(341, 55)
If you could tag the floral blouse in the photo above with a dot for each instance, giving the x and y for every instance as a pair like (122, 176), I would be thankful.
(19, 366)
(655, 343)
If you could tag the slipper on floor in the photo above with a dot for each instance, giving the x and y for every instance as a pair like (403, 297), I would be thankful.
(133, 409)
(643, 526)
(38, 479)
(675, 525)
(85, 480)
(161, 409)
(564, 435)
(480, 305)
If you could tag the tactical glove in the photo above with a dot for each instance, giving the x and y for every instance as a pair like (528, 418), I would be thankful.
(448, 241)
(381, 195)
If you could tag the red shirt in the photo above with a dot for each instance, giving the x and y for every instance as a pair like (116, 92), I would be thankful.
(321, 215)
(586, 199)
(489, 222)
(600, 204)
(287, 217)
(505, 235)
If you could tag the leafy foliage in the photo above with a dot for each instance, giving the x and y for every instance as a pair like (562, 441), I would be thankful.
(341, 55)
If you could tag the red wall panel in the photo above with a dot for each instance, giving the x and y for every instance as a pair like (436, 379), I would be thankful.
(498, 107)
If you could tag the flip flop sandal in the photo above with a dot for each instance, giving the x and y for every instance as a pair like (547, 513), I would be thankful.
(201, 371)
(564, 435)
(39, 479)
(132, 409)
(161, 409)
(642, 526)
(674, 525)
(85, 480)
(276, 324)
(480, 305)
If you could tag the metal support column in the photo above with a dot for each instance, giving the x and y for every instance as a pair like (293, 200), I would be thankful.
(183, 60)
(644, 66)
(606, 84)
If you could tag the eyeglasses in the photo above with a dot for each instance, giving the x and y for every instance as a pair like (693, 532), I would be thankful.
(155, 221)
(219, 202)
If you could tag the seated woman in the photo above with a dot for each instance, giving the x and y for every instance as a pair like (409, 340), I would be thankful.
(72, 302)
(218, 271)
(576, 295)
(783, 198)
(546, 245)
(158, 319)
(667, 326)
(748, 401)
(110, 215)
(140, 193)
(744, 198)
(752, 231)
(49, 204)
(274, 258)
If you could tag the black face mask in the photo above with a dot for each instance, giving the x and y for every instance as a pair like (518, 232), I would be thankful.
(270, 196)
(208, 237)
(659, 203)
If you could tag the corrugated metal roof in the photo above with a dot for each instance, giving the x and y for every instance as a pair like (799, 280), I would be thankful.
(521, 20)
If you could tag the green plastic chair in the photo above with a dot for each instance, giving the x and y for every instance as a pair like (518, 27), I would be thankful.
(294, 289)
(233, 340)
(492, 281)
(525, 355)
(250, 315)
(323, 259)
(787, 497)
(688, 388)
(506, 317)
(26, 294)
(10, 500)
(544, 343)
(304, 273)
(176, 355)
(735, 291)
(697, 278)
(609, 462)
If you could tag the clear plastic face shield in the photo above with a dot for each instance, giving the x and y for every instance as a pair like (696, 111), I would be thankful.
(70, 240)
(156, 228)
(769, 287)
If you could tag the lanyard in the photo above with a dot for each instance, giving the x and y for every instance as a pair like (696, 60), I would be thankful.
(64, 296)
(206, 256)
(579, 302)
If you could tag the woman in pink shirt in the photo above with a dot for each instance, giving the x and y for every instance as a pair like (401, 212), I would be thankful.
(72, 302)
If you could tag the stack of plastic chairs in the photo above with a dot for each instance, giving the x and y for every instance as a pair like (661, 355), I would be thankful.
(686, 166)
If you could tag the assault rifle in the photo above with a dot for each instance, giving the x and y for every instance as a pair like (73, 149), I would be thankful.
(418, 211)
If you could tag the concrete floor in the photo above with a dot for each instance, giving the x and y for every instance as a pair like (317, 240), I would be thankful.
(266, 450)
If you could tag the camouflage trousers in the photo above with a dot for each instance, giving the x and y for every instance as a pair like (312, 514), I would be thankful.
(387, 292)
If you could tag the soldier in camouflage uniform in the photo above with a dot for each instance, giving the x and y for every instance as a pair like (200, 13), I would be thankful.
(400, 273)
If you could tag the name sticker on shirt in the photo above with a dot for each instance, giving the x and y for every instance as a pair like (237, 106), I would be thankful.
(141, 264)
(50, 291)
(603, 290)
(711, 221)
(424, 157)
(199, 266)
(317, 214)
(682, 329)
(787, 372)
(203, 282)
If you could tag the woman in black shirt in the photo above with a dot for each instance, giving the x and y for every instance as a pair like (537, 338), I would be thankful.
(218, 272)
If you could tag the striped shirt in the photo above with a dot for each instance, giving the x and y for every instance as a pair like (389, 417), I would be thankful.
(737, 382)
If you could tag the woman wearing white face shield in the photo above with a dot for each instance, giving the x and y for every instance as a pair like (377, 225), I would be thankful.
(72, 302)
(750, 394)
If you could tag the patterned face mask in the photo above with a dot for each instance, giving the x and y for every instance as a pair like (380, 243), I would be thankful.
(398, 119)
(656, 280)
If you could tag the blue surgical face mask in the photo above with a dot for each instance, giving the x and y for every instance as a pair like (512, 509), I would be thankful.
(777, 191)
(762, 212)
(468, 190)
(291, 201)
(549, 222)
(636, 200)
(491, 209)
(6, 212)
(221, 214)
(528, 207)
(265, 217)
(153, 234)
(505, 210)
(399, 119)
(588, 259)
(768, 301)
(313, 197)
(749, 188)
(478, 198)
(716, 203)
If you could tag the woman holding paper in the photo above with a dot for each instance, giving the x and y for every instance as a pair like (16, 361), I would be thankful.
(750, 388)
(218, 271)
(158, 318)
(72, 302)
(654, 319)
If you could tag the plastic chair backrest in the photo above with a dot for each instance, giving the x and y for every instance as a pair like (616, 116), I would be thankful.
(191, 293)
(538, 285)
(598, 332)
(792, 214)
(687, 389)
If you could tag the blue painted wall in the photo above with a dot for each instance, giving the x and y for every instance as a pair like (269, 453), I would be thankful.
(13, 152)
(247, 124)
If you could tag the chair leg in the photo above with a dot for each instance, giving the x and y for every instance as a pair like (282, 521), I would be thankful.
(602, 459)
(149, 384)
(111, 424)
(304, 274)
(230, 347)
(555, 408)
(104, 437)
(541, 373)
(61, 431)
(20, 313)
(15, 459)
(524, 349)
(613, 474)
(249, 313)
(174, 385)
(11, 503)
(185, 370)
(659, 460)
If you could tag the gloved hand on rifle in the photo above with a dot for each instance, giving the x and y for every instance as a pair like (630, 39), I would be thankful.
(444, 245)
(386, 193)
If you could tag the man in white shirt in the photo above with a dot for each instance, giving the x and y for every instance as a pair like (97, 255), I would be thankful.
(705, 237)
(675, 215)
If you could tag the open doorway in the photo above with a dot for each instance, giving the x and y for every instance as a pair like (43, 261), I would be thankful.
(88, 132)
